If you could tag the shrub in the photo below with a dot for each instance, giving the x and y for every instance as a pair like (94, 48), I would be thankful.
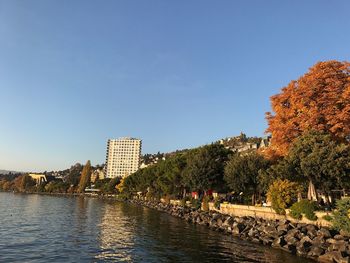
(281, 194)
(196, 203)
(304, 207)
(327, 218)
(184, 200)
(217, 203)
(205, 203)
(341, 220)
(167, 199)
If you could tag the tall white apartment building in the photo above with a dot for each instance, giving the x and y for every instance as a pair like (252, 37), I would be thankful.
(123, 157)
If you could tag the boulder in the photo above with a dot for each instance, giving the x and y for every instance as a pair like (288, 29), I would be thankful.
(333, 256)
(237, 228)
(324, 232)
(315, 252)
(228, 222)
(338, 245)
(303, 246)
(278, 242)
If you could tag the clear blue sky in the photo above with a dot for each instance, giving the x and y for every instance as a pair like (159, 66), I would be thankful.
(176, 74)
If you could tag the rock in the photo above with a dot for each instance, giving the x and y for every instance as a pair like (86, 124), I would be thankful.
(228, 222)
(278, 242)
(267, 240)
(237, 228)
(219, 222)
(216, 216)
(284, 227)
(324, 233)
(339, 245)
(212, 223)
(270, 231)
(311, 227)
(338, 237)
(315, 252)
(303, 247)
(320, 242)
(289, 248)
(312, 233)
(291, 240)
(345, 234)
(252, 232)
(334, 256)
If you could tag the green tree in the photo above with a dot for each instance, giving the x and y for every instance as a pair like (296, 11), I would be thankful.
(242, 173)
(282, 194)
(341, 216)
(27, 183)
(205, 167)
(169, 175)
(111, 187)
(317, 158)
(85, 177)
(74, 174)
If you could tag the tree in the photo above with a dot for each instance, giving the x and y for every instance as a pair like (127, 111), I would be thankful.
(85, 177)
(169, 174)
(27, 183)
(282, 194)
(74, 174)
(318, 159)
(318, 100)
(242, 173)
(205, 167)
(341, 218)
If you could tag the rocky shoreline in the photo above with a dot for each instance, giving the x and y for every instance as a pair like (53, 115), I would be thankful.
(305, 240)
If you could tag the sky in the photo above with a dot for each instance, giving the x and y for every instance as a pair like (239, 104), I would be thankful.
(176, 74)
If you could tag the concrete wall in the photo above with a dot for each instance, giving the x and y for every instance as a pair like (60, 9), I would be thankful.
(263, 212)
(266, 213)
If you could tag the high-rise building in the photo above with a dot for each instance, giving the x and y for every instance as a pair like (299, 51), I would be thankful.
(123, 157)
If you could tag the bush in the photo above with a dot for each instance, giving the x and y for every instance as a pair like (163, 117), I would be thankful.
(304, 207)
(205, 203)
(327, 218)
(341, 220)
(281, 194)
(184, 200)
(217, 203)
(196, 203)
(167, 199)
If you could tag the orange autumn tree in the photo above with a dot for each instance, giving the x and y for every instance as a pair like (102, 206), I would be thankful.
(319, 100)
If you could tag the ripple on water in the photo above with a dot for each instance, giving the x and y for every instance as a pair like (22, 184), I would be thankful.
(37, 228)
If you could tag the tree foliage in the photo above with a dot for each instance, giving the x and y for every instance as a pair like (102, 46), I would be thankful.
(205, 167)
(341, 216)
(319, 100)
(282, 194)
(242, 173)
(197, 170)
(304, 207)
(85, 177)
(321, 160)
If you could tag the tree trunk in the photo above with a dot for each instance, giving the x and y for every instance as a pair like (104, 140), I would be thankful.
(253, 199)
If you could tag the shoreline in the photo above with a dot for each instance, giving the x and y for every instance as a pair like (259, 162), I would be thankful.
(304, 240)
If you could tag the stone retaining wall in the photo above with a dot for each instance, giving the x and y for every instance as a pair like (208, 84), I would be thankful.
(266, 213)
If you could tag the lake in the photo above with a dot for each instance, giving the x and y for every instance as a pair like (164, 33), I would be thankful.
(42, 228)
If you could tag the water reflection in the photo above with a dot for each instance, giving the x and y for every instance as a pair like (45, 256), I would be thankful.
(116, 234)
(137, 234)
(59, 229)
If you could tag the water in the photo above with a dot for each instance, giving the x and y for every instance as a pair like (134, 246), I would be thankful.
(37, 228)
